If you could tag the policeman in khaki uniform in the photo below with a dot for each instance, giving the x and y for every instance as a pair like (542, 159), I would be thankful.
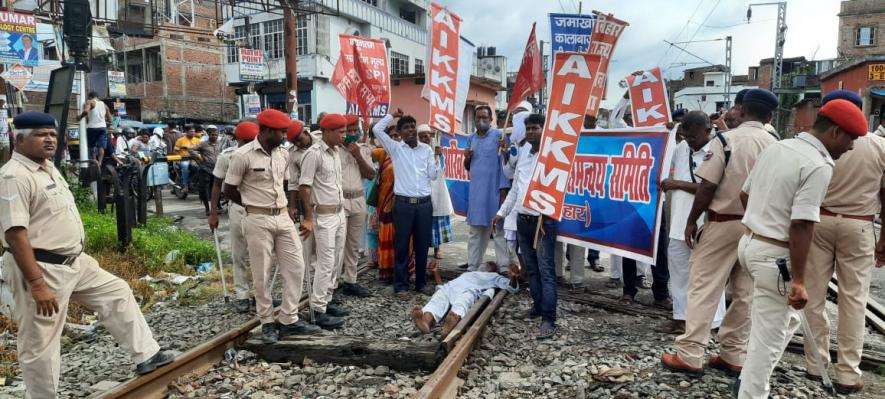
(713, 261)
(320, 188)
(355, 166)
(245, 133)
(255, 180)
(844, 241)
(301, 142)
(783, 197)
(44, 264)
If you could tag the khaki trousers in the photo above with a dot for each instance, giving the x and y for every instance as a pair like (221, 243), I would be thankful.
(576, 256)
(355, 223)
(84, 282)
(713, 263)
(846, 245)
(328, 239)
(239, 254)
(267, 236)
(774, 322)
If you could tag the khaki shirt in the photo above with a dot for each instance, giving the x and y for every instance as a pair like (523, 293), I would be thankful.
(788, 183)
(259, 175)
(353, 179)
(857, 178)
(296, 156)
(746, 142)
(36, 197)
(223, 163)
(321, 170)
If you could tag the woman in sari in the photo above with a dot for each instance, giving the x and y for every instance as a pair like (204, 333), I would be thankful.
(383, 216)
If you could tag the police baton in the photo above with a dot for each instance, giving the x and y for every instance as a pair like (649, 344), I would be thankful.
(822, 364)
(220, 266)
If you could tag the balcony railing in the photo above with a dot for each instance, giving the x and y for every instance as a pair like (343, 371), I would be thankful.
(800, 81)
(377, 17)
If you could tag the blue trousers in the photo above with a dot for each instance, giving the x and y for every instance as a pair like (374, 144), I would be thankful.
(539, 263)
(412, 221)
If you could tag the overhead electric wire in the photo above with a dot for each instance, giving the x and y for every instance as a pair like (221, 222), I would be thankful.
(682, 30)
(699, 27)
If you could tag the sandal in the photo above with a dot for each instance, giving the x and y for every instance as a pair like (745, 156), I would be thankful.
(597, 267)
(613, 283)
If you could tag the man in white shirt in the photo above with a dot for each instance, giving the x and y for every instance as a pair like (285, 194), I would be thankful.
(687, 157)
(538, 260)
(415, 166)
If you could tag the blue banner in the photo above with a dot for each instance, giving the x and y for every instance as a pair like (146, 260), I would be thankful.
(613, 202)
(571, 32)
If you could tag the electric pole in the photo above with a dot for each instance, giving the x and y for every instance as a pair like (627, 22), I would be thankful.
(290, 53)
(727, 72)
(777, 69)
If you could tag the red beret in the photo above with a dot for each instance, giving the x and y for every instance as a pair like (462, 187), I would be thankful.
(352, 119)
(845, 115)
(295, 129)
(246, 131)
(273, 119)
(333, 121)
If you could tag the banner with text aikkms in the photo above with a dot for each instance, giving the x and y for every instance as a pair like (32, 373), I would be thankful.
(613, 202)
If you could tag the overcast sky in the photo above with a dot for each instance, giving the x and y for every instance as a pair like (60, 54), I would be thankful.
(812, 30)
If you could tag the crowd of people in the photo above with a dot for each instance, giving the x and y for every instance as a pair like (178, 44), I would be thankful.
(754, 228)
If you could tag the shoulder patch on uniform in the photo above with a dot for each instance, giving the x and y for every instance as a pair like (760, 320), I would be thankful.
(708, 155)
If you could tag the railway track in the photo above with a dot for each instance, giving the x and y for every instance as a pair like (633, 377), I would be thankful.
(442, 383)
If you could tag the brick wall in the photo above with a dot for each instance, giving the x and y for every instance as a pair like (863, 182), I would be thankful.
(857, 13)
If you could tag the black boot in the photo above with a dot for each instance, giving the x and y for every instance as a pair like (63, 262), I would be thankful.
(162, 358)
(298, 328)
(327, 321)
(336, 310)
(269, 333)
(355, 290)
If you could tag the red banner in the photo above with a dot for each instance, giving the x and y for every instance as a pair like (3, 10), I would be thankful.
(648, 98)
(531, 76)
(602, 43)
(444, 44)
(570, 92)
(366, 84)
(373, 54)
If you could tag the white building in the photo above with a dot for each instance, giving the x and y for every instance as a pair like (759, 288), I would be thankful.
(401, 23)
(710, 98)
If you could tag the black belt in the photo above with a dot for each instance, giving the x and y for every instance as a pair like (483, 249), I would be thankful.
(412, 200)
(42, 255)
(527, 216)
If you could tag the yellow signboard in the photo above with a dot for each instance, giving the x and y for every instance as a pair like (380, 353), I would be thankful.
(877, 72)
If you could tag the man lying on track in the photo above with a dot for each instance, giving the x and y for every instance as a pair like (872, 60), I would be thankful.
(459, 295)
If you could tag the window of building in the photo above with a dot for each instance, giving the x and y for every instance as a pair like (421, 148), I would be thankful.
(408, 15)
(301, 30)
(704, 98)
(399, 64)
(134, 67)
(273, 39)
(233, 44)
(153, 65)
(866, 36)
(710, 83)
(754, 73)
(255, 36)
(372, 2)
(419, 66)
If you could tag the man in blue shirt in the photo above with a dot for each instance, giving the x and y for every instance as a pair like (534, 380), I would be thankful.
(487, 185)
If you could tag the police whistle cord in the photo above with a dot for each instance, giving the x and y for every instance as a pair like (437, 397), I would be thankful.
(220, 266)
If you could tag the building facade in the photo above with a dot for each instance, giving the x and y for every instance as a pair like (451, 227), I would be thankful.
(707, 91)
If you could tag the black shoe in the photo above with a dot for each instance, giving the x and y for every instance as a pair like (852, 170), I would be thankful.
(298, 328)
(269, 333)
(327, 321)
(355, 290)
(426, 290)
(533, 314)
(548, 330)
(162, 358)
(336, 310)
(243, 305)
(277, 302)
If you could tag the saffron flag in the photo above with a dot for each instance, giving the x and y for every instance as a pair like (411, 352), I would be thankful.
(374, 55)
(572, 78)
(606, 32)
(444, 45)
(648, 98)
(531, 76)
(612, 198)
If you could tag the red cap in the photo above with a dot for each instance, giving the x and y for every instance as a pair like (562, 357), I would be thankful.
(295, 129)
(333, 121)
(845, 115)
(352, 119)
(246, 131)
(273, 119)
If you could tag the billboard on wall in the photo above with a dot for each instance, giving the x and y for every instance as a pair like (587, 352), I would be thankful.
(18, 39)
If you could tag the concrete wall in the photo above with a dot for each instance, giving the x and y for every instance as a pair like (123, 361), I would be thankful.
(857, 13)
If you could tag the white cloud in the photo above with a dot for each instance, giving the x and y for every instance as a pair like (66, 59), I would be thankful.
(812, 30)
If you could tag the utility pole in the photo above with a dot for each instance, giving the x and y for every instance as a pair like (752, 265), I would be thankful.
(777, 69)
(290, 44)
(727, 72)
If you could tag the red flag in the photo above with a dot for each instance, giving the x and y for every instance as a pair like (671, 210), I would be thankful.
(366, 97)
(531, 76)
